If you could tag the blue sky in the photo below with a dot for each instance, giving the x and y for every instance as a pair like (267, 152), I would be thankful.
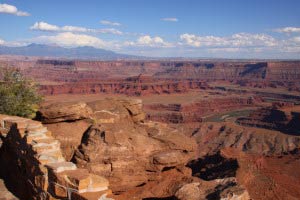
(187, 28)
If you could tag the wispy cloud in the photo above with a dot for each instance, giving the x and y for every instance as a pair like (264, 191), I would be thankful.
(288, 30)
(170, 19)
(109, 31)
(10, 9)
(12, 43)
(110, 23)
(43, 26)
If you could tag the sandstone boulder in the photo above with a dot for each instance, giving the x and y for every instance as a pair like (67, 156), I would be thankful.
(112, 110)
(64, 112)
(190, 191)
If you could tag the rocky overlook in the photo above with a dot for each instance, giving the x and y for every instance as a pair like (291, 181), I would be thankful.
(106, 148)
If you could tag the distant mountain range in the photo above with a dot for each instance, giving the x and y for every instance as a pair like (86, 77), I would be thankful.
(85, 52)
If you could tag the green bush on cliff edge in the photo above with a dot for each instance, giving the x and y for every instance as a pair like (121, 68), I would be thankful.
(18, 95)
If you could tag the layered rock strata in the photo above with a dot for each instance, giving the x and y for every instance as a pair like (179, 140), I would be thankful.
(199, 109)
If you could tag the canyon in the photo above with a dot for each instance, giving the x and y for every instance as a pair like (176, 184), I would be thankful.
(142, 159)
(155, 129)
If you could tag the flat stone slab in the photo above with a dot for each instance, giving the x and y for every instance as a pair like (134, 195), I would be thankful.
(47, 159)
(61, 166)
(97, 184)
(45, 141)
(78, 179)
(34, 125)
(41, 148)
(30, 138)
(20, 122)
(37, 130)
(50, 157)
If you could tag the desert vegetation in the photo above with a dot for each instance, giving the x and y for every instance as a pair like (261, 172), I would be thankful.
(18, 95)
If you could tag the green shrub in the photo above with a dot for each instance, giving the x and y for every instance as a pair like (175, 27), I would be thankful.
(18, 95)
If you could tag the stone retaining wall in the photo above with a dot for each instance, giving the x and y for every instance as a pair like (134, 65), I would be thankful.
(40, 163)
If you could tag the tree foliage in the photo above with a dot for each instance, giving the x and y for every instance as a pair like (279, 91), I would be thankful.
(18, 95)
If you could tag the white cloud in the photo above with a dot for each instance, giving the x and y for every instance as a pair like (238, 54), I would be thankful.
(242, 45)
(236, 40)
(43, 26)
(170, 19)
(247, 39)
(239, 45)
(10, 9)
(191, 39)
(290, 45)
(148, 41)
(110, 30)
(68, 39)
(288, 30)
(110, 23)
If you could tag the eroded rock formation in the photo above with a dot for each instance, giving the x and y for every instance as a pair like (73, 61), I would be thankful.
(265, 159)
(286, 120)
(127, 150)
(214, 136)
